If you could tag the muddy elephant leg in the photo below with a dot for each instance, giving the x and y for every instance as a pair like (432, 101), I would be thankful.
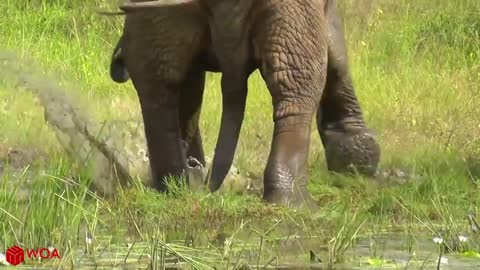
(234, 97)
(285, 176)
(349, 145)
(191, 98)
(295, 75)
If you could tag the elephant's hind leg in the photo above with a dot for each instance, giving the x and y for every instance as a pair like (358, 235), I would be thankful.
(294, 63)
(349, 144)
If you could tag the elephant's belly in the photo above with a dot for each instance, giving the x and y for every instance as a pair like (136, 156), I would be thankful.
(209, 62)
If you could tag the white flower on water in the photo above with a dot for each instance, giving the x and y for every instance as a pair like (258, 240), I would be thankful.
(438, 240)
(88, 239)
(443, 260)
(462, 238)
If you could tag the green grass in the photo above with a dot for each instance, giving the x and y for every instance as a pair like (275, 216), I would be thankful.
(416, 67)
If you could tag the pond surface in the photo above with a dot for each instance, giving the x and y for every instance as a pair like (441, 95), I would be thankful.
(294, 252)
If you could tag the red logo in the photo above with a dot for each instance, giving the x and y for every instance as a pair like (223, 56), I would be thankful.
(16, 255)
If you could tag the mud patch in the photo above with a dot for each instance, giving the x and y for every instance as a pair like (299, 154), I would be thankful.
(16, 159)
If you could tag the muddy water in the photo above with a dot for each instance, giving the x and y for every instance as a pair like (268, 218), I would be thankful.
(289, 254)
(294, 254)
(292, 251)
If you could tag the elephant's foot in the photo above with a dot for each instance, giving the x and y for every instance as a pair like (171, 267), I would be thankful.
(291, 197)
(352, 151)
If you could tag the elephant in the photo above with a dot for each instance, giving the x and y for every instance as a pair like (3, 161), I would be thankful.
(298, 46)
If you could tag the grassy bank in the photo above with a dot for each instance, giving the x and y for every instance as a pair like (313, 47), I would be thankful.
(416, 67)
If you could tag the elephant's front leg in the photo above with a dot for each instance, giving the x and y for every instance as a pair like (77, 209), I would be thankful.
(293, 53)
(349, 145)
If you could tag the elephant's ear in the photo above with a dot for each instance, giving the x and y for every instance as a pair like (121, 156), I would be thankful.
(133, 6)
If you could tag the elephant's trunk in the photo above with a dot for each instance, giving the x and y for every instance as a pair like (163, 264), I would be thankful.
(132, 6)
(234, 101)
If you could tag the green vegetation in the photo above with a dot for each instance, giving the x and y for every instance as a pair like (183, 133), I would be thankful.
(416, 66)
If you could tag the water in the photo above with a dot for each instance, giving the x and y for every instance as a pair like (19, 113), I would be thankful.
(293, 253)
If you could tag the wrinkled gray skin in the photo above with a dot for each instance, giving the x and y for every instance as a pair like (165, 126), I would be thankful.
(299, 47)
